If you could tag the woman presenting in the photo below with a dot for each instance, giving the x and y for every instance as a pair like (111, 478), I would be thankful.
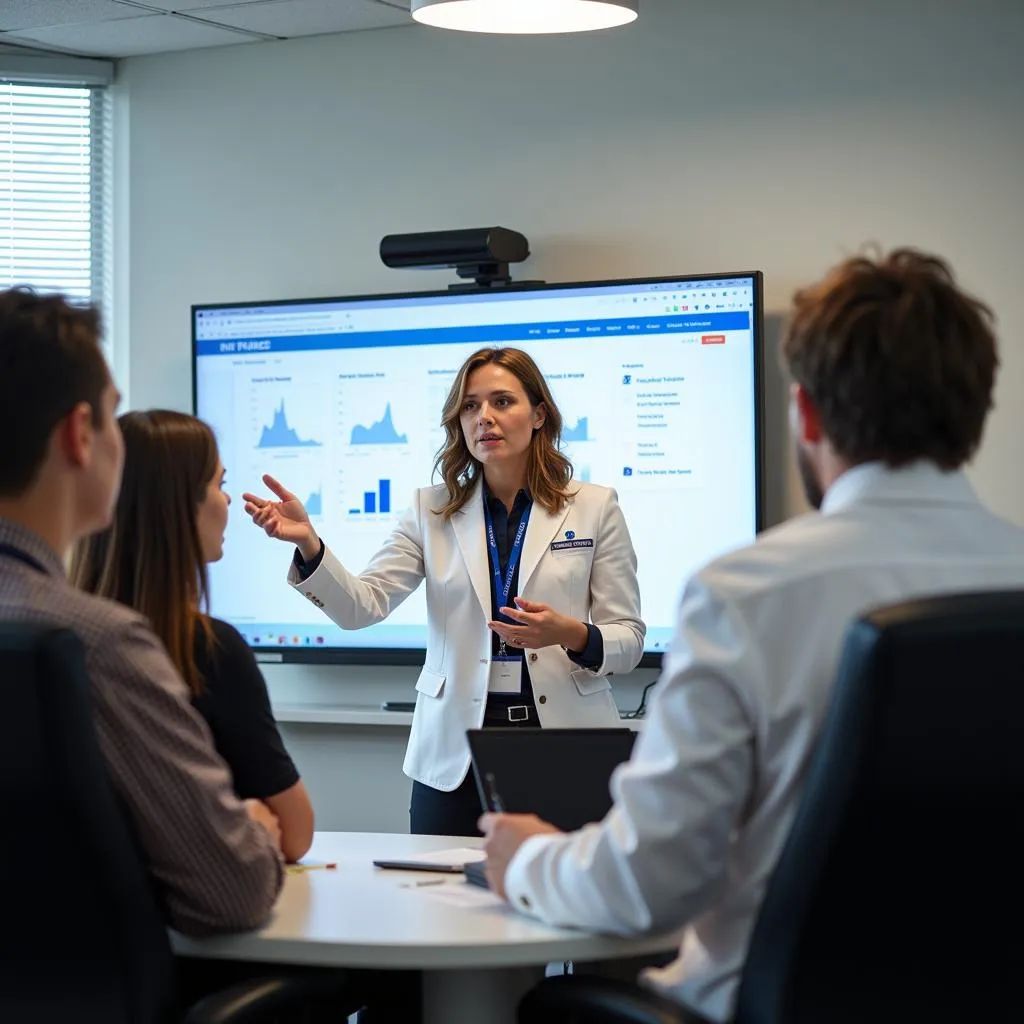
(532, 597)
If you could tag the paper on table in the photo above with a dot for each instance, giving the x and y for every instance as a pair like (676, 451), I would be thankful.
(462, 894)
(462, 855)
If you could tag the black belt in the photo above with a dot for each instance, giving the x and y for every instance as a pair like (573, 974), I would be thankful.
(510, 714)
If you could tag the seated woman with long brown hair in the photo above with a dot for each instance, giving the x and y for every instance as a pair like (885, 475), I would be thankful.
(168, 525)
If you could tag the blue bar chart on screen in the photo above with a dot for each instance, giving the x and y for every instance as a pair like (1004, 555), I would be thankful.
(375, 501)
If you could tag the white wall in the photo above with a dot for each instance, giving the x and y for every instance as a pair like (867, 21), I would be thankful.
(707, 137)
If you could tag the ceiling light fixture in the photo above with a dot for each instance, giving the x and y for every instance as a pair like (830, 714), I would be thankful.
(525, 17)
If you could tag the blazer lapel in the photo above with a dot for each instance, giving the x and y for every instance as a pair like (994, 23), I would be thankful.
(468, 525)
(540, 532)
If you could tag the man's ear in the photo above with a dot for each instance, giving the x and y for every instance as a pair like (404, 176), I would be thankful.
(76, 435)
(806, 419)
(540, 415)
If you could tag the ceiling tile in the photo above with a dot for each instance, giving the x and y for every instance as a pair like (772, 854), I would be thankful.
(290, 18)
(129, 37)
(15, 14)
(192, 6)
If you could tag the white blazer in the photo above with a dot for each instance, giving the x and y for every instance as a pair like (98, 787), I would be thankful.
(596, 584)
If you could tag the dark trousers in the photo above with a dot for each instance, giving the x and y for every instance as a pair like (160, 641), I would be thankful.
(433, 813)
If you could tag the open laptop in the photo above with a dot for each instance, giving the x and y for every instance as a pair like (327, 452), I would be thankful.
(561, 775)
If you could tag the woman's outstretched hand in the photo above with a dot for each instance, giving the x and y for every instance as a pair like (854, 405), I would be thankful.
(285, 519)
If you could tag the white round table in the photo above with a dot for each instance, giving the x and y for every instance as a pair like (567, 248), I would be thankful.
(477, 960)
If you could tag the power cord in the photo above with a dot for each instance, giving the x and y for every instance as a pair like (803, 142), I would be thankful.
(641, 709)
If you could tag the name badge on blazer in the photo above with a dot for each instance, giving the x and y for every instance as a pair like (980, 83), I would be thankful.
(572, 541)
(506, 676)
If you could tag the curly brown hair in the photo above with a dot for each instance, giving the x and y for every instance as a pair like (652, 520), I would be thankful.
(548, 471)
(899, 361)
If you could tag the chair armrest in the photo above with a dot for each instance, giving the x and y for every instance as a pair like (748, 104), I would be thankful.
(259, 1000)
(590, 999)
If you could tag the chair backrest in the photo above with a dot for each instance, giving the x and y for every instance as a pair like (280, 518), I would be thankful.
(899, 895)
(82, 936)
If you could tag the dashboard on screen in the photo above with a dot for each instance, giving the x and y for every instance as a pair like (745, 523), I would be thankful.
(658, 382)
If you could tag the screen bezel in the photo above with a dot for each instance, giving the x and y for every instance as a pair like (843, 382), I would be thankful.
(415, 655)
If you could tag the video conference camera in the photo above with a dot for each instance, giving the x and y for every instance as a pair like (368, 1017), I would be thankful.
(482, 254)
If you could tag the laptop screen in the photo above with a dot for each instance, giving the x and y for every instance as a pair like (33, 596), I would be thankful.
(561, 775)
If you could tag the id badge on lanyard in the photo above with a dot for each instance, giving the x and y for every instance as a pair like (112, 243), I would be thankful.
(506, 675)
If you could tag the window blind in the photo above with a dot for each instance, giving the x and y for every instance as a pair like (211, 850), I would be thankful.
(53, 194)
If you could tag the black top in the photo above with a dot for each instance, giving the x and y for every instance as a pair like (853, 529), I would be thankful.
(506, 525)
(236, 705)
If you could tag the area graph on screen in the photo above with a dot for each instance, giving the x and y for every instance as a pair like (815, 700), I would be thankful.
(280, 434)
(315, 503)
(580, 432)
(381, 432)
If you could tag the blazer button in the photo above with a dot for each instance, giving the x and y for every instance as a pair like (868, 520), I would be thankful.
(533, 655)
(542, 699)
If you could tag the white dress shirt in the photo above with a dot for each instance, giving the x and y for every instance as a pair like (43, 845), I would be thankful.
(705, 804)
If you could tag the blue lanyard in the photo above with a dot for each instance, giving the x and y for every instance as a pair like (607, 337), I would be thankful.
(23, 556)
(502, 589)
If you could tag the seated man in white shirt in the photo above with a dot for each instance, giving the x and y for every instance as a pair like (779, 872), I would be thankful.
(893, 369)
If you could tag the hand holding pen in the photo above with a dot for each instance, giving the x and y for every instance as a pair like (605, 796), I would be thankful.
(504, 834)
(494, 801)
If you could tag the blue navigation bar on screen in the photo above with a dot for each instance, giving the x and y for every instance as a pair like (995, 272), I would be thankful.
(479, 333)
(557, 293)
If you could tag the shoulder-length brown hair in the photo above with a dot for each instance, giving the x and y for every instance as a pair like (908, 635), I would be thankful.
(150, 558)
(548, 471)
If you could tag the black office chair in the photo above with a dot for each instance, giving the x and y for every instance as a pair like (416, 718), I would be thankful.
(83, 939)
(899, 894)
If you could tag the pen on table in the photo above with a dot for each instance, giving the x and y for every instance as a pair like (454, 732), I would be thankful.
(298, 869)
(428, 881)
(497, 804)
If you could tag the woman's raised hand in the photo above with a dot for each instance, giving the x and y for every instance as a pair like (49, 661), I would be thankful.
(285, 519)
